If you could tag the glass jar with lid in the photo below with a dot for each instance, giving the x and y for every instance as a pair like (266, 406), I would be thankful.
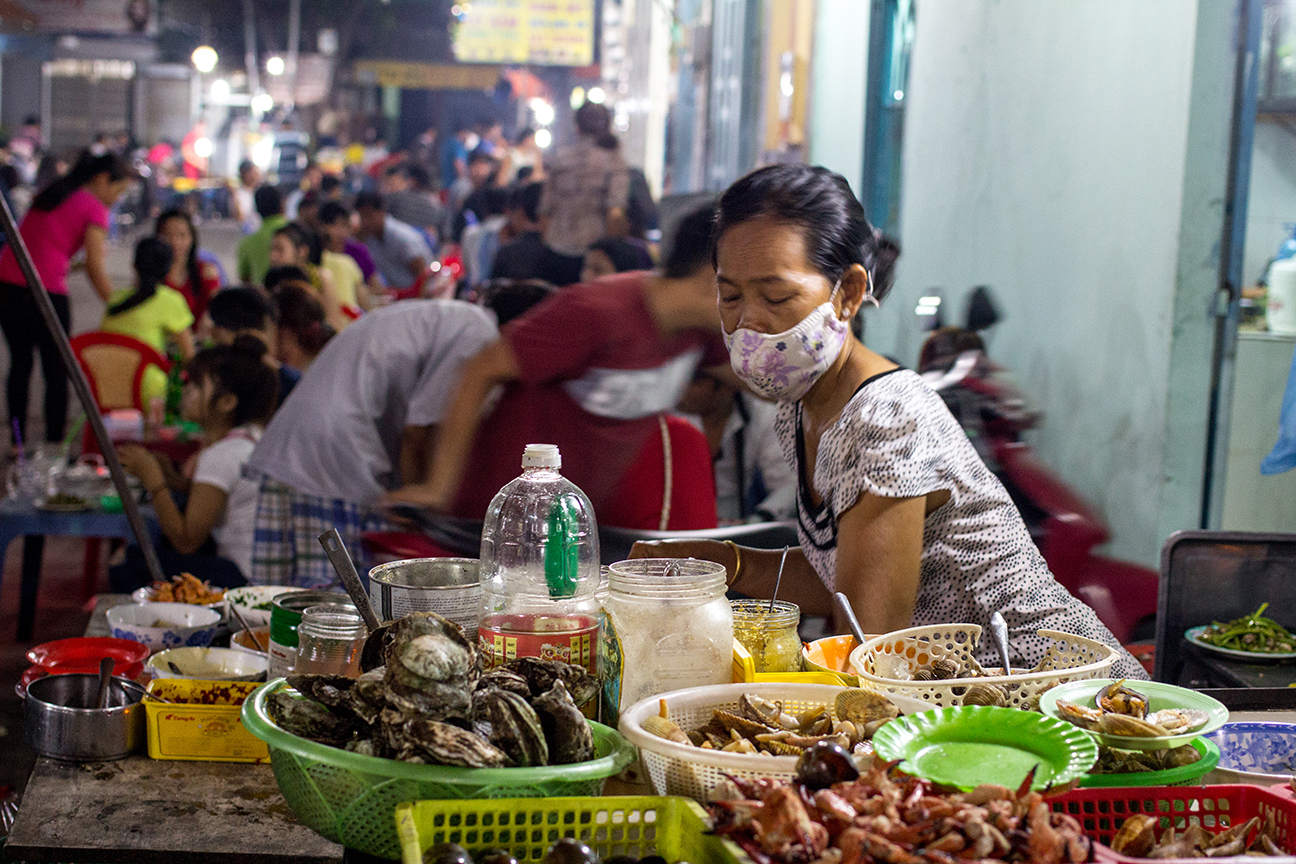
(667, 626)
(769, 634)
(330, 638)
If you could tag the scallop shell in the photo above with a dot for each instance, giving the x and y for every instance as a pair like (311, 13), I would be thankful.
(1179, 720)
(1131, 727)
(1081, 715)
(862, 706)
(663, 728)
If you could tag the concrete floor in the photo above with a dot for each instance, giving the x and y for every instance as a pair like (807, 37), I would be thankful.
(61, 607)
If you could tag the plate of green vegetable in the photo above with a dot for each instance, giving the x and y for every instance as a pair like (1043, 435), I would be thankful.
(1253, 638)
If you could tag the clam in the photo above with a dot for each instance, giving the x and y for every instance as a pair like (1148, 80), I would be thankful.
(1130, 727)
(1119, 699)
(924, 673)
(765, 711)
(663, 728)
(986, 694)
(944, 668)
(1178, 757)
(1136, 836)
(862, 707)
(569, 736)
(1179, 720)
(730, 722)
(1080, 715)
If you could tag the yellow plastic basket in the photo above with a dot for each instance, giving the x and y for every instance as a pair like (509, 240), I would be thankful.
(674, 828)
(744, 672)
(196, 732)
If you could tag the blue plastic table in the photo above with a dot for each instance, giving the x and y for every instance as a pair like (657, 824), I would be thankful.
(34, 526)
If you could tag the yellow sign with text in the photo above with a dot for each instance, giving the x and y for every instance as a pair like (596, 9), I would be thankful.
(539, 32)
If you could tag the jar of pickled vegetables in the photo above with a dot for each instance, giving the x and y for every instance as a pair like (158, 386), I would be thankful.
(770, 635)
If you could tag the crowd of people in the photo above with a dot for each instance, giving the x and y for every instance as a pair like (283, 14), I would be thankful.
(396, 345)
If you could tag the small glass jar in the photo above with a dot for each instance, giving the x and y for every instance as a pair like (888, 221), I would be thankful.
(770, 636)
(667, 626)
(329, 641)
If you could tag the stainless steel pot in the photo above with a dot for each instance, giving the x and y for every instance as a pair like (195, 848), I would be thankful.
(59, 722)
(446, 586)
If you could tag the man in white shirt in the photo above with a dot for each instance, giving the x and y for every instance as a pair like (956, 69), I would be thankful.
(362, 418)
(399, 251)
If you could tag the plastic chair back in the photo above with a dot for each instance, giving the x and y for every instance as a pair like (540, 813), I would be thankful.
(115, 366)
(1209, 576)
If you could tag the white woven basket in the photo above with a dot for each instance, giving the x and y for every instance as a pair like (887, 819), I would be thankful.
(888, 663)
(682, 769)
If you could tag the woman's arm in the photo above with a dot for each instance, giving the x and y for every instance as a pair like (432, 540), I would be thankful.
(329, 300)
(879, 559)
(96, 239)
(494, 365)
(189, 530)
(184, 340)
(751, 571)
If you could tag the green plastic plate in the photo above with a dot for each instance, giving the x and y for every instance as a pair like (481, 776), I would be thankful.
(1188, 775)
(967, 746)
(1159, 696)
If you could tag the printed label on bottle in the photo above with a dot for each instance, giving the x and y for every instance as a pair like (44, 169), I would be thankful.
(611, 661)
(572, 639)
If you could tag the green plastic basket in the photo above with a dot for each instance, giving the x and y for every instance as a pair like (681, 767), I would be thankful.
(351, 798)
(1188, 775)
(674, 828)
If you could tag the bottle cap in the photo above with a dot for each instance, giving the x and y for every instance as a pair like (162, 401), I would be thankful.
(541, 456)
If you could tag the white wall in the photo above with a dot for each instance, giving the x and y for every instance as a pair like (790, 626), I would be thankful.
(838, 68)
(1045, 148)
(1273, 196)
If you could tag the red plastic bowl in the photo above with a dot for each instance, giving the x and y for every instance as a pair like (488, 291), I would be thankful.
(82, 654)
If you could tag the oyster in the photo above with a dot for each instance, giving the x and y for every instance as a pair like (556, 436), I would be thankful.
(541, 674)
(444, 744)
(1080, 715)
(1119, 699)
(569, 735)
(515, 728)
(329, 690)
(1132, 727)
(434, 657)
(862, 706)
(374, 653)
(1177, 721)
(502, 679)
(367, 697)
(308, 719)
(986, 694)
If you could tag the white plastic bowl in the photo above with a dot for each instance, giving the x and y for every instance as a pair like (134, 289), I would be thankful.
(239, 640)
(164, 625)
(249, 596)
(208, 664)
(146, 595)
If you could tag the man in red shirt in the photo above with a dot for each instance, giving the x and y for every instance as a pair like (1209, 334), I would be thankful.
(589, 369)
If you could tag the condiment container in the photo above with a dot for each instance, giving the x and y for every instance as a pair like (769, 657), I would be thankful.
(285, 615)
(668, 627)
(330, 638)
(770, 636)
(59, 719)
(205, 726)
(449, 587)
(539, 568)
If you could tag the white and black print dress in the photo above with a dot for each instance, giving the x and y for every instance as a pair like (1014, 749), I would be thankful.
(896, 439)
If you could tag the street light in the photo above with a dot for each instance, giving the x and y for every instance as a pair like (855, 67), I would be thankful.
(596, 95)
(220, 90)
(275, 65)
(204, 58)
(262, 103)
(543, 138)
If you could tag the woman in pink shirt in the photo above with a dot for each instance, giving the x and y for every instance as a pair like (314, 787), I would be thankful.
(68, 214)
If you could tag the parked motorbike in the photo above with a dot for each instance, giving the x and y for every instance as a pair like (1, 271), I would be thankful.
(1064, 526)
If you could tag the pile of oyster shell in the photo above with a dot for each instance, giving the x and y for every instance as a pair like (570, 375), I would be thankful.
(762, 726)
(423, 698)
(1121, 710)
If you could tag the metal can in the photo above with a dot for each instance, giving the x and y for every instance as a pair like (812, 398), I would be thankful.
(446, 586)
(285, 614)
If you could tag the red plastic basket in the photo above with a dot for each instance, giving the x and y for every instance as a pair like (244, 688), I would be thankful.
(1101, 812)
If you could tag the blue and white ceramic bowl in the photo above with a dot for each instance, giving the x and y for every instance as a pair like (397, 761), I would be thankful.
(1257, 753)
(164, 625)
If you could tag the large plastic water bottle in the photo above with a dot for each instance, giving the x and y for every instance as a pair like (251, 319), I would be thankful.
(539, 568)
(1288, 247)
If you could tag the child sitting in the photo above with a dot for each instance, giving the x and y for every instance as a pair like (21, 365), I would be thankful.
(151, 312)
(230, 393)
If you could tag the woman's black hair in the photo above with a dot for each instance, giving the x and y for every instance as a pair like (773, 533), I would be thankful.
(820, 203)
(595, 120)
(240, 369)
(276, 276)
(302, 314)
(301, 235)
(623, 254)
(87, 167)
(192, 268)
(153, 257)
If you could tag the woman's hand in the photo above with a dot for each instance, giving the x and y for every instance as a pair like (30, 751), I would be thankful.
(423, 495)
(706, 550)
(143, 465)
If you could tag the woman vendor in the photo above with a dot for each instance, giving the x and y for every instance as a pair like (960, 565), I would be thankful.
(895, 508)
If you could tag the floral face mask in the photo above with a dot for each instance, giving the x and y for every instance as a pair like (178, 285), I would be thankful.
(784, 366)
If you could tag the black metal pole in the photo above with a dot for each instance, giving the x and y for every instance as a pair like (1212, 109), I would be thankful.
(82, 387)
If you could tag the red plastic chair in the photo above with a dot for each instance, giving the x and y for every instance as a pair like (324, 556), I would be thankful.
(114, 365)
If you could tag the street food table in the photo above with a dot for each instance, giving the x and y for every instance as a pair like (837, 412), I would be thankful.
(1202, 667)
(144, 810)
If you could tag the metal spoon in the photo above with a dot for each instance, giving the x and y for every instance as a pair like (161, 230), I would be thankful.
(105, 678)
(251, 633)
(336, 551)
(851, 621)
(141, 689)
(999, 633)
(778, 580)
